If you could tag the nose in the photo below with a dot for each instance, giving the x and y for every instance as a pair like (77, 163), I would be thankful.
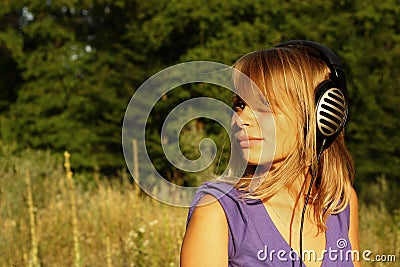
(243, 118)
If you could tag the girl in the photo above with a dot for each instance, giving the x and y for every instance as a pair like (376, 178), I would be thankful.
(295, 204)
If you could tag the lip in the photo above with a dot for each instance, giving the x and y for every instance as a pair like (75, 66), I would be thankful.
(248, 141)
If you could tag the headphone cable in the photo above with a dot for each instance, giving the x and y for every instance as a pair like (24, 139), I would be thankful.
(313, 177)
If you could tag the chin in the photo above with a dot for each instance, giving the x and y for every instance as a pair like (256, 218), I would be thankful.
(255, 156)
(259, 161)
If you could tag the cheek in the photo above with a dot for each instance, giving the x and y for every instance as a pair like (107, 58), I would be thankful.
(268, 127)
(286, 134)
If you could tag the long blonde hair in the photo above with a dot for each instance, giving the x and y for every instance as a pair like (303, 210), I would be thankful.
(287, 78)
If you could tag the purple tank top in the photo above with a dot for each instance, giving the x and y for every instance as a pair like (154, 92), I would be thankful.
(255, 241)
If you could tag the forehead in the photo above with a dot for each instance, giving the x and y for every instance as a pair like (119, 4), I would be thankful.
(252, 97)
(272, 75)
(247, 85)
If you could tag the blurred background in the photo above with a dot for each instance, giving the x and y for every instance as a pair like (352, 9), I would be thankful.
(69, 69)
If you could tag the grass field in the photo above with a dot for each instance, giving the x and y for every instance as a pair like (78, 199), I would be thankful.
(50, 218)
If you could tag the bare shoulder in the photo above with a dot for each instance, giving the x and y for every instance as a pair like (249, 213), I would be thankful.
(206, 239)
(353, 198)
(353, 210)
(210, 209)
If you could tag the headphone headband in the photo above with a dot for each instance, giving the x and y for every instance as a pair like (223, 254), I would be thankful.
(325, 54)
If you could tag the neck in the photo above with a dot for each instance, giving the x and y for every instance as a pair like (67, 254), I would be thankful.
(295, 193)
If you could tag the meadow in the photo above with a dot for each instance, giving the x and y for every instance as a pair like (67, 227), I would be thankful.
(50, 216)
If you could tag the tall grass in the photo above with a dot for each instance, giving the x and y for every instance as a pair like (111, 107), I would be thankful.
(33, 261)
(113, 225)
(72, 197)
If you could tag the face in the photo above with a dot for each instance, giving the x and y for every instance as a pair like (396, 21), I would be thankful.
(264, 138)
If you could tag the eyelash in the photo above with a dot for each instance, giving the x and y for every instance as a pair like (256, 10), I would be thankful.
(238, 103)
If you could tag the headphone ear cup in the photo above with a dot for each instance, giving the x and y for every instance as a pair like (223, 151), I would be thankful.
(331, 111)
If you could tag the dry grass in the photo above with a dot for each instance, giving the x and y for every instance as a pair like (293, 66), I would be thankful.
(114, 226)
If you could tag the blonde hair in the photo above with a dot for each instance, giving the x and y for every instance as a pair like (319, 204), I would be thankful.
(287, 78)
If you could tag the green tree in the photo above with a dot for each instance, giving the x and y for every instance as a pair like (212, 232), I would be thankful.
(71, 95)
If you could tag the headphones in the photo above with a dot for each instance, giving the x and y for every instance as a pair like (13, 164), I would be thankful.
(330, 95)
(331, 106)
